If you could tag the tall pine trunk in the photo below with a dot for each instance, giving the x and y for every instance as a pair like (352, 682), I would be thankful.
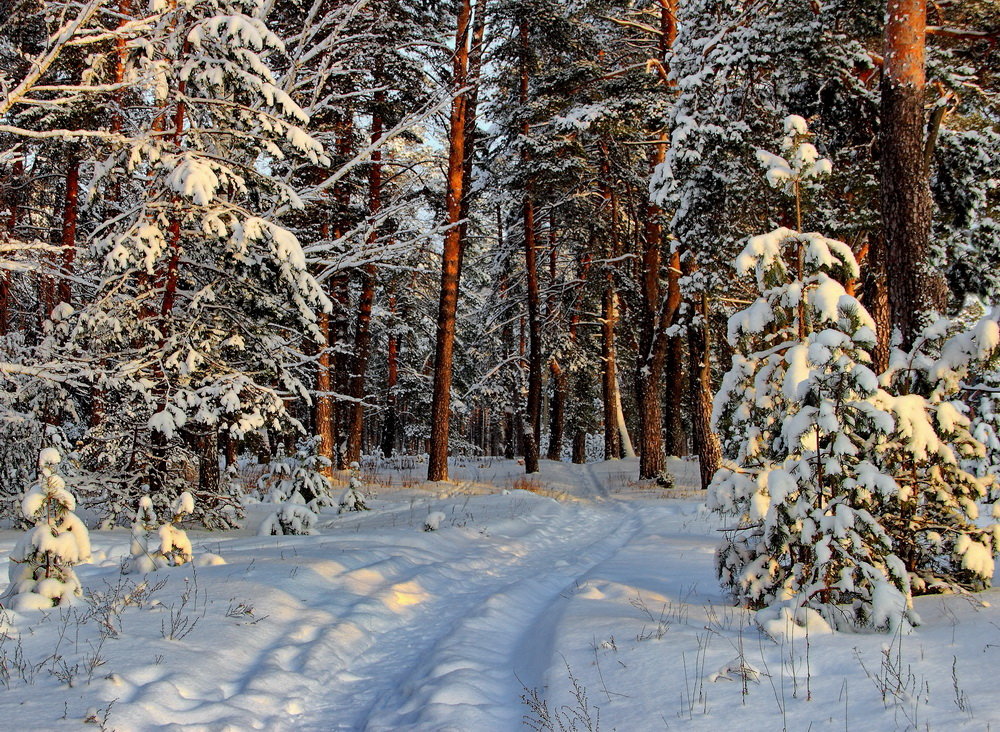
(609, 316)
(653, 317)
(323, 414)
(71, 211)
(362, 337)
(437, 466)
(532, 417)
(905, 189)
(391, 423)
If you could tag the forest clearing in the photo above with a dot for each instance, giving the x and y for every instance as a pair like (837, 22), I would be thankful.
(374, 623)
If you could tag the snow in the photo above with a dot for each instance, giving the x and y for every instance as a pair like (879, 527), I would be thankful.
(433, 520)
(48, 456)
(374, 624)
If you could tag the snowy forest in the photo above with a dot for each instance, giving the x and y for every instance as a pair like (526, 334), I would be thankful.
(371, 335)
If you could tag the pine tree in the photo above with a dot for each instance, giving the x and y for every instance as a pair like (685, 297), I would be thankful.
(799, 413)
(935, 522)
(194, 256)
(353, 499)
(41, 564)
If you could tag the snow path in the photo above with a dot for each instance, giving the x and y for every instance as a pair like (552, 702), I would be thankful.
(461, 628)
(474, 662)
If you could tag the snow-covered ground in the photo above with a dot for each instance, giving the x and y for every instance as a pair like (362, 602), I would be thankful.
(590, 598)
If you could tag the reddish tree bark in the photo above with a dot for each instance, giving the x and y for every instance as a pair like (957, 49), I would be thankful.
(653, 319)
(71, 211)
(324, 397)
(437, 466)
(906, 199)
(609, 316)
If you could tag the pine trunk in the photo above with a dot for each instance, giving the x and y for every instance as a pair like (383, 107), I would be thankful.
(437, 466)
(906, 200)
(652, 342)
(324, 396)
(579, 447)
(339, 362)
(71, 211)
(875, 297)
(700, 370)
(609, 316)
(675, 437)
(391, 424)
(362, 338)
(609, 380)
(532, 430)
(207, 444)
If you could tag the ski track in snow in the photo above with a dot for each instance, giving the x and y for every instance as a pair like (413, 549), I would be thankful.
(461, 631)
(414, 631)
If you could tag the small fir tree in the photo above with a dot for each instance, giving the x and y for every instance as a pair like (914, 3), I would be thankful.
(41, 564)
(174, 546)
(299, 488)
(798, 415)
(293, 517)
(143, 525)
(354, 497)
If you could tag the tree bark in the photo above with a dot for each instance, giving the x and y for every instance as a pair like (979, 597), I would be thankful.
(362, 337)
(324, 396)
(13, 219)
(653, 318)
(700, 372)
(557, 411)
(875, 297)
(71, 211)
(391, 424)
(207, 443)
(339, 360)
(609, 316)
(675, 437)
(905, 189)
(437, 466)
(532, 430)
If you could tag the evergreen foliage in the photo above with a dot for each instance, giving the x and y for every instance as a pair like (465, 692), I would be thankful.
(41, 564)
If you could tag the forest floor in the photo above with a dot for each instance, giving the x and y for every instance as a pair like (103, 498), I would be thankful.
(577, 600)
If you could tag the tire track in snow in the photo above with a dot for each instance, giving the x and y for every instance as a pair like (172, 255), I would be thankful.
(467, 675)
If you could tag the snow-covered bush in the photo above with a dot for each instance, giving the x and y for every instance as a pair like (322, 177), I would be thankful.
(433, 521)
(798, 415)
(353, 498)
(166, 545)
(936, 523)
(175, 547)
(41, 564)
(143, 525)
(299, 474)
(292, 517)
